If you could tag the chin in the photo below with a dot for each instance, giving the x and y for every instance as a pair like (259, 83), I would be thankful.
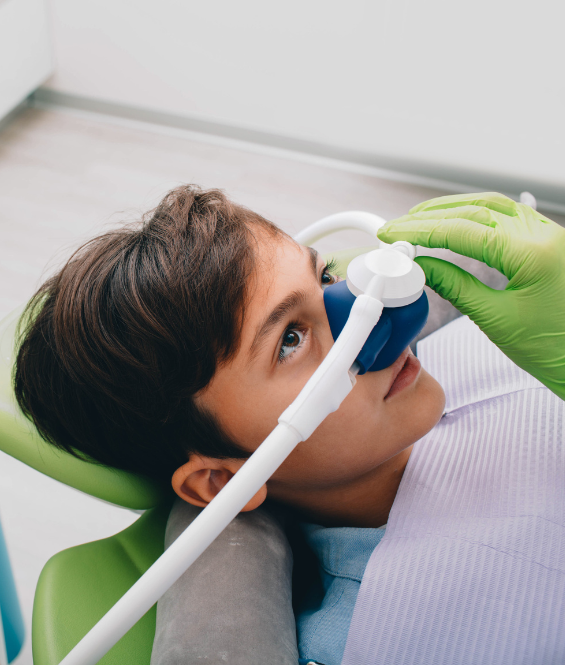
(431, 401)
(417, 409)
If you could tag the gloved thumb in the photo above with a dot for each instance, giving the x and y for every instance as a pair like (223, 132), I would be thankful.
(463, 290)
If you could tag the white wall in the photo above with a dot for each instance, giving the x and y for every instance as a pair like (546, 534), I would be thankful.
(25, 50)
(455, 86)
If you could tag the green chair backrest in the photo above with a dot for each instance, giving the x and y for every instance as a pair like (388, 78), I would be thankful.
(79, 585)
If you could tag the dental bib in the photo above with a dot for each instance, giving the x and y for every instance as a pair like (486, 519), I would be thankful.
(471, 569)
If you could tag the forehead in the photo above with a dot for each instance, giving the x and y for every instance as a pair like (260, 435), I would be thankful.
(276, 253)
(281, 266)
(279, 259)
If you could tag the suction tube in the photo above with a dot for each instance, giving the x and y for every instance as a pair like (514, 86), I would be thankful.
(323, 393)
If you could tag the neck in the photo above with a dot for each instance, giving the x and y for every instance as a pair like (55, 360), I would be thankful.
(365, 502)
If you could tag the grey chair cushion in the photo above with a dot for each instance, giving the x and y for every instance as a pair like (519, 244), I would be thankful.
(234, 604)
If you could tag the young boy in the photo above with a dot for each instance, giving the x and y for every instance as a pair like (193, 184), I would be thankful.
(170, 349)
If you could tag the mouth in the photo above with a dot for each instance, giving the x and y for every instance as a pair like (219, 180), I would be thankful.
(405, 371)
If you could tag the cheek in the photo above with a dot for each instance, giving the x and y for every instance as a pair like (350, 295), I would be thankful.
(249, 412)
(363, 433)
(343, 447)
(255, 409)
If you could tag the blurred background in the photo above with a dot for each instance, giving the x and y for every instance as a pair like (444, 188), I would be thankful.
(297, 110)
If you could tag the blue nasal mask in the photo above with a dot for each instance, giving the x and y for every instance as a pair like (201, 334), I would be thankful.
(396, 328)
(405, 304)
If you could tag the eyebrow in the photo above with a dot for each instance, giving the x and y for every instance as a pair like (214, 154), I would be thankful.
(286, 305)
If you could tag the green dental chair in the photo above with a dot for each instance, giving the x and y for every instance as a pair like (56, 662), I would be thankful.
(79, 585)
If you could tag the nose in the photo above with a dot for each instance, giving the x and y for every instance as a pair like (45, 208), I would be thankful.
(396, 328)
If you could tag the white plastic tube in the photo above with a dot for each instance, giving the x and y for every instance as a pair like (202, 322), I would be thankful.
(322, 394)
(341, 221)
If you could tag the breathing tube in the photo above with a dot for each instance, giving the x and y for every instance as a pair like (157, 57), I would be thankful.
(373, 316)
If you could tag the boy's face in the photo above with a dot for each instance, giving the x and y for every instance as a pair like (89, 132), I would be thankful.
(285, 337)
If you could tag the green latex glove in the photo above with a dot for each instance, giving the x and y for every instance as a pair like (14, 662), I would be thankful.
(527, 319)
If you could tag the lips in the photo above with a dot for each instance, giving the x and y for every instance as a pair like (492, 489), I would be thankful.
(405, 371)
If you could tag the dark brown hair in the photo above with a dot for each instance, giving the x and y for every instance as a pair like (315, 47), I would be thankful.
(121, 339)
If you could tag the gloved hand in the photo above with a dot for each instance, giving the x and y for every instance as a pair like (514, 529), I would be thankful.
(527, 319)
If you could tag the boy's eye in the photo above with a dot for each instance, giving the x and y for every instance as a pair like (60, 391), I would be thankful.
(291, 340)
(328, 279)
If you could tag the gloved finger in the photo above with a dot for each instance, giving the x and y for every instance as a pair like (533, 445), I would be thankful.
(526, 223)
(537, 215)
(461, 236)
(463, 290)
(478, 214)
(492, 200)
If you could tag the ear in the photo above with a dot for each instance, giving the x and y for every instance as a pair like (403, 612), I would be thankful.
(201, 478)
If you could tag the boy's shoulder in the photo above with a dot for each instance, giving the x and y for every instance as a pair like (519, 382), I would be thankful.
(469, 367)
